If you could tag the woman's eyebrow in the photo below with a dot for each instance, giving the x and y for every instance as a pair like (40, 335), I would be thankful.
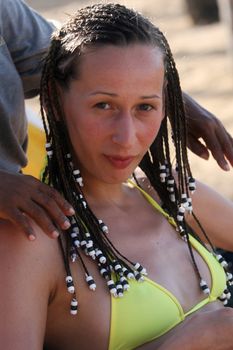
(100, 92)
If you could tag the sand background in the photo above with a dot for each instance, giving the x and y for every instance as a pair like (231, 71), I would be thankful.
(203, 61)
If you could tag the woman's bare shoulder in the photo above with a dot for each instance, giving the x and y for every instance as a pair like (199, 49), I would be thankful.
(18, 252)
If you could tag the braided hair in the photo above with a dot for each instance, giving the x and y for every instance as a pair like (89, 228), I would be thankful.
(95, 26)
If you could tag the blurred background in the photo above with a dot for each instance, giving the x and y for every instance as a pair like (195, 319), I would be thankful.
(200, 33)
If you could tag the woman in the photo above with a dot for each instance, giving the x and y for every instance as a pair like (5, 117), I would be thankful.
(108, 87)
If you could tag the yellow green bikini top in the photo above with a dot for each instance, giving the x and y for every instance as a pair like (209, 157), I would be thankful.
(149, 310)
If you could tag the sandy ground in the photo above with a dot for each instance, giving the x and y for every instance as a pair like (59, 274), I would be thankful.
(205, 68)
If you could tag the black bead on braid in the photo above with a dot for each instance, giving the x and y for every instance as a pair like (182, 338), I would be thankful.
(93, 27)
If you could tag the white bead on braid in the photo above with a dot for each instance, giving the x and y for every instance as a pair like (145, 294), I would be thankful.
(128, 274)
(74, 306)
(162, 172)
(191, 184)
(78, 177)
(171, 188)
(91, 283)
(184, 200)
(112, 287)
(190, 207)
(70, 284)
(204, 287)
(138, 267)
(49, 149)
(124, 283)
(119, 289)
(69, 158)
(229, 278)
(103, 227)
(221, 260)
(180, 215)
(90, 249)
(99, 254)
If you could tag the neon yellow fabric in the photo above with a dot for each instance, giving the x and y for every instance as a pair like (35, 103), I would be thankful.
(149, 310)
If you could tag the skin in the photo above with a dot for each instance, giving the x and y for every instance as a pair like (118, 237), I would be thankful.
(119, 125)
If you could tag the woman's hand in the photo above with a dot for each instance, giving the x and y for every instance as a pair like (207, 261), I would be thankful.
(23, 195)
(203, 124)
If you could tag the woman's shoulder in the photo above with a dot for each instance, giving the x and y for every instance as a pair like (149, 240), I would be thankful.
(17, 251)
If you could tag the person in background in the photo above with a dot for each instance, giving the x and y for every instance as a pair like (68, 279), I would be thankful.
(20, 71)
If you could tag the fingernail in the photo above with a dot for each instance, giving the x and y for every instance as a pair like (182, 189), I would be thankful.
(31, 237)
(55, 234)
(66, 224)
(71, 211)
(226, 167)
(205, 156)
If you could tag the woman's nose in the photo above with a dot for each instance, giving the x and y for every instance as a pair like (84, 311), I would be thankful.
(124, 133)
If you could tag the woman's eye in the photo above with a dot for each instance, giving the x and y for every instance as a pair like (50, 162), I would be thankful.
(145, 107)
(103, 105)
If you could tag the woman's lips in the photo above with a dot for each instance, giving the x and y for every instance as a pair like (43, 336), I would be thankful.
(120, 162)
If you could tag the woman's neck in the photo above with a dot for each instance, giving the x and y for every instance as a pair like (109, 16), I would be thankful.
(99, 193)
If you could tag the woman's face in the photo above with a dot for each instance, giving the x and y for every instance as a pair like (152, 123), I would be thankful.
(114, 109)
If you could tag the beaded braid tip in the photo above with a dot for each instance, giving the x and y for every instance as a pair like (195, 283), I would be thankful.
(68, 157)
(138, 267)
(103, 227)
(70, 284)
(128, 274)
(171, 189)
(138, 276)
(191, 184)
(90, 249)
(104, 273)
(162, 172)
(112, 287)
(99, 254)
(73, 255)
(204, 287)
(74, 306)
(120, 290)
(190, 207)
(180, 215)
(117, 267)
(221, 260)
(229, 278)
(124, 283)
(49, 149)
(225, 296)
(91, 283)
(76, 242)
(78, 177)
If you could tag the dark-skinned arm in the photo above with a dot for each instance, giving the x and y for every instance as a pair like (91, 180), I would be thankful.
(201, 124)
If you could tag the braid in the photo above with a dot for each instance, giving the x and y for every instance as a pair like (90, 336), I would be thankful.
(94, 26)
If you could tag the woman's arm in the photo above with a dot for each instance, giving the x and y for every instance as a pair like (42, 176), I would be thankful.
(201, 331)
(215, 214)
(202, 124)
(25, 289)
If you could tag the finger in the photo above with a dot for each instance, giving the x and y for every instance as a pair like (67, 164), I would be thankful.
(219, 146)
(197, 147)
(18, 218)
(65, 206)
(39, 215)
(227, 146)
(52, 209)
